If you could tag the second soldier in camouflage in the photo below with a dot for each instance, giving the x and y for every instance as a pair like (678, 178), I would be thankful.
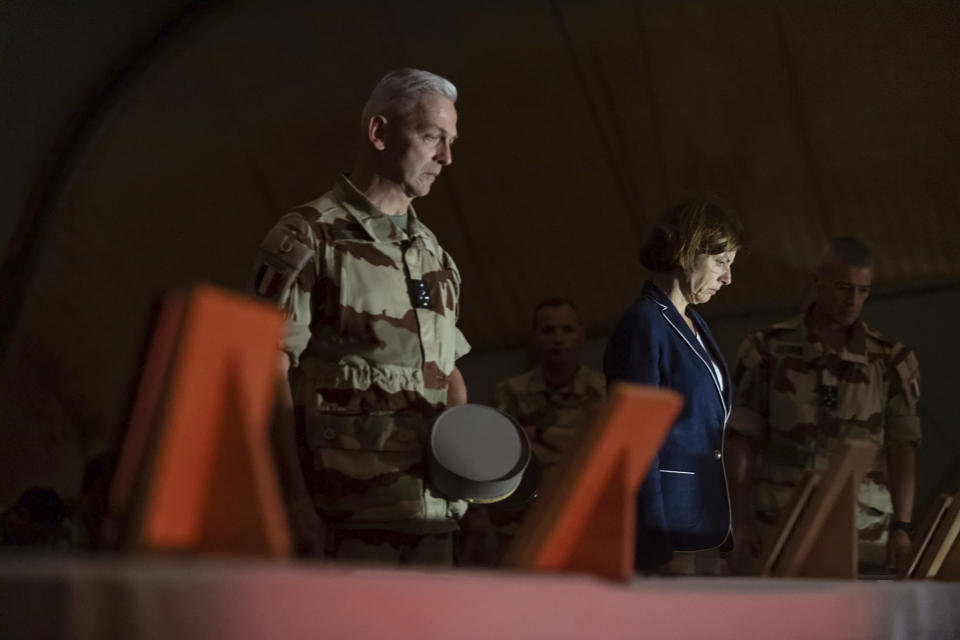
(804, 385)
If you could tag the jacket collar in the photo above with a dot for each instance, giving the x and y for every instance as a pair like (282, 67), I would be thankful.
(707, 352)
(670, 311)
(853, 350)
(374, 221)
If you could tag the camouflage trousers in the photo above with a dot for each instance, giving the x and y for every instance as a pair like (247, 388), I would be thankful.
(873, 515)
(374, 546)
(871, 542)
(368, 471)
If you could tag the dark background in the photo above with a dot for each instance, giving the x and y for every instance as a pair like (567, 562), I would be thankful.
(147, 145)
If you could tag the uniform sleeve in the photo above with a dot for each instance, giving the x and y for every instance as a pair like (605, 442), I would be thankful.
(751, 389)
(284, 273)
(902, 422)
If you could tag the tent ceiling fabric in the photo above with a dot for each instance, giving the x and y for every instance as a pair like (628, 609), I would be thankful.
(580, 122)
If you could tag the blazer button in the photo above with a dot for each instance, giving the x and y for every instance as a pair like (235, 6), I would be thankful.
(716, 454)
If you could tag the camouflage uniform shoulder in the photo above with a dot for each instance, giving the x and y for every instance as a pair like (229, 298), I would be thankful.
(283, 255)
(301, 219)
(903, 366)
(594, 379)
(328, 218)
(898, 354)
(788, 331)
(878, 338)
(759, 344)
(297, 222)
(786, 326)
(519, 383)
(508, 390)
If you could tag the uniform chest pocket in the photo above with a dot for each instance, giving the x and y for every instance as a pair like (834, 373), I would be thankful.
(862, 402)
(443, 288)
(369, 293)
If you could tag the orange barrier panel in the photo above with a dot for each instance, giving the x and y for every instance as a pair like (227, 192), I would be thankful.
(584, 519)
(196, 471)
(816, 537)
(942, 557)
(928, 527)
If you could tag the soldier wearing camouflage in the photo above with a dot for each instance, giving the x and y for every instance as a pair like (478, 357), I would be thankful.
(544, 412)
(801, 398)
(372, 302)
(798, 395)
(550, 417)
(550, 401)
(372, 328)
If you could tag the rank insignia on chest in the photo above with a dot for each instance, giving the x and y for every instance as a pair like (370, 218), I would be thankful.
(419, 294)
(829, 396)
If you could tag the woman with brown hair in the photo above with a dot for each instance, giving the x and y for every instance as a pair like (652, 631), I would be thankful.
(662, 342)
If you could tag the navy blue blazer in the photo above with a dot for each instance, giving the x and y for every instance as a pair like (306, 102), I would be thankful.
(682, 504)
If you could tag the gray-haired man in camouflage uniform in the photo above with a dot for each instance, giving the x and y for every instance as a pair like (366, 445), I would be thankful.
(803, 385)
(372, 302)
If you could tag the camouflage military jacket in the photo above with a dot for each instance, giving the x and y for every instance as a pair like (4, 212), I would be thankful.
(372, 335)
(800, 398)
(543, 411)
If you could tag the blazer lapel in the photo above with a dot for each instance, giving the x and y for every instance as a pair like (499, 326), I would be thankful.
(679, 326)
(726, 396)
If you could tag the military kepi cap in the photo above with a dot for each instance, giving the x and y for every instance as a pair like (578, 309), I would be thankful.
(477, 453)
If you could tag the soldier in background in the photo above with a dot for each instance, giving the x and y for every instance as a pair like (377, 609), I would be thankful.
(803, 385)
(548, 402)
(372, 302)
(549, 399)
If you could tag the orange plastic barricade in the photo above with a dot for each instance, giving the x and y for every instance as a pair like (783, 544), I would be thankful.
(196, 473)
(940, 559)
(816, 535)
(584, 519)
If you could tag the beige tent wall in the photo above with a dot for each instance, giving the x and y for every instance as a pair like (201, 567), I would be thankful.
(579, 122)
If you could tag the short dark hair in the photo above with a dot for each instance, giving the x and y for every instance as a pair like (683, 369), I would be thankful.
(695, 225)
(555, 302)
(845, 250)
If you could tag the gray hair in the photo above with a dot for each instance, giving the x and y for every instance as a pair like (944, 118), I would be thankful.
(399, 91)
(845, 250)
